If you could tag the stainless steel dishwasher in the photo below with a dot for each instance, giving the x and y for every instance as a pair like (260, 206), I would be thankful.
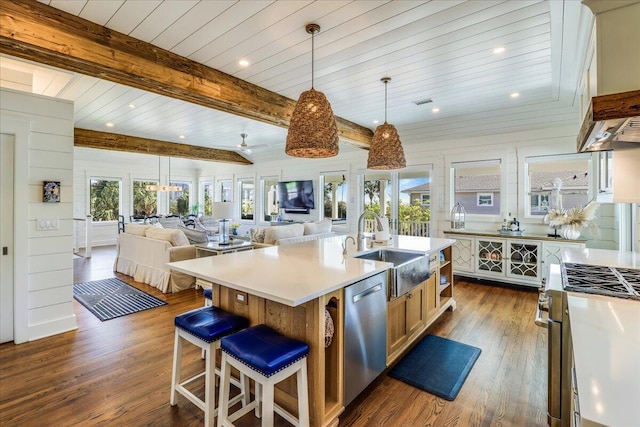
(365, 334)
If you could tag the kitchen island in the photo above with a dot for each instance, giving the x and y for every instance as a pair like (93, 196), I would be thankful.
(288, 288)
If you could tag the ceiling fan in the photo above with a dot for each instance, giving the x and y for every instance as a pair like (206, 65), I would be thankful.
(248, 149)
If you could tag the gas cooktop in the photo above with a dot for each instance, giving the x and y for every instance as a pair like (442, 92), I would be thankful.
(601, 280)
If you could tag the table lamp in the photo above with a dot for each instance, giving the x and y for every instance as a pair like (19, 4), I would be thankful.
(224, 212)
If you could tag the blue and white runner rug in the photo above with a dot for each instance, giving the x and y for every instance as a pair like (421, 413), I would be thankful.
(111, 298)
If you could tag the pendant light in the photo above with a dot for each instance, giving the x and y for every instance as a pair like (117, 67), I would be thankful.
(386, 150)
(313, 132)
(164, 188)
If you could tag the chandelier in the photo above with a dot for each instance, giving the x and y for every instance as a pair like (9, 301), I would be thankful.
(163, 188)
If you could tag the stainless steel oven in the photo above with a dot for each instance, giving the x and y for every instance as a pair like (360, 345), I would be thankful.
(553, 301)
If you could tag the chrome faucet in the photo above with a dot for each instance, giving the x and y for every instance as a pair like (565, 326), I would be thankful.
(344, 245)
(361, 238)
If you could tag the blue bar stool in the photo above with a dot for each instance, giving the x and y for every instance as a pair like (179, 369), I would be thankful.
(204, 327)
(267, 357)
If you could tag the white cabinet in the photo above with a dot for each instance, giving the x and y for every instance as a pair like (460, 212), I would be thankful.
(490, 256)
(513, 259)
(524, 260)
(551, 253)
(462, 254)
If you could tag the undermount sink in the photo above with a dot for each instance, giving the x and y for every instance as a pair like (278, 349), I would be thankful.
(409, 268)
(393, 256)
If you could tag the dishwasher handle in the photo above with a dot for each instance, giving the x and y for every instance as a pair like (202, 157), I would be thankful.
(366, 292)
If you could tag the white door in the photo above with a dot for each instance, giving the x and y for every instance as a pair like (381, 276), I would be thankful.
(6, 237)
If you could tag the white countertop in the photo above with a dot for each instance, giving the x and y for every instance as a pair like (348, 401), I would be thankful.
(601, 257)
(417, 244)
(297, 273)
(606, 348)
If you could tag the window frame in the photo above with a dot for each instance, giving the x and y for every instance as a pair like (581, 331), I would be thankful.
(153, 181)
(525, 187)
(105, 178)
(471, 162)
(238, 206)
(261, 197)
(479, 196)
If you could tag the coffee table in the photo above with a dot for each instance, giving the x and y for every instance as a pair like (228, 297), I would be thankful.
(215, 248)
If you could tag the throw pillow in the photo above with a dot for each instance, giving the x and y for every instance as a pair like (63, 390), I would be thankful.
(277, 232)
(194, 236)
(318, 227)
(172, 235)
(136, 229)
(257, 235)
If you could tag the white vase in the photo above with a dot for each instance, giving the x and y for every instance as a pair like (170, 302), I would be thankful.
(571, 233)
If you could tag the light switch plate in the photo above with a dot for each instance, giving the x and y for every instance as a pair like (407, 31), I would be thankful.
(47, 224)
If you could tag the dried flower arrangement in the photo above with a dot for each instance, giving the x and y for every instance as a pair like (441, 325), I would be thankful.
(575, 217)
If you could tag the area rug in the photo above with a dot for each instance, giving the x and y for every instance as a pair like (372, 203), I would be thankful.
(437, 365)
(111, 298)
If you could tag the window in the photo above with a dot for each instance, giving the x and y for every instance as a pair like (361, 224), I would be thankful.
(247, 205)
(377, 193)
(485, 199)
(225, 191)
(179, 200)
(334, 204)
(413, 213)
(476, 186)
(145, 202)
(207, 198)
(104, 196)
(556, 182)
(269, 198)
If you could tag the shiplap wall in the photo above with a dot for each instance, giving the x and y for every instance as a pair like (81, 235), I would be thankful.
(510, 148)
(45, 154)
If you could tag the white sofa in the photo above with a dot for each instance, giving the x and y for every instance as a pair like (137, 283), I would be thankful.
(143, 252)
(293, 233)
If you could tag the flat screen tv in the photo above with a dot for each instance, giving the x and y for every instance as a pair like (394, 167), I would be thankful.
(296, 196)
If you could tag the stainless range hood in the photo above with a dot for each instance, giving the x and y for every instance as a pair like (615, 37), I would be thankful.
(612, 120)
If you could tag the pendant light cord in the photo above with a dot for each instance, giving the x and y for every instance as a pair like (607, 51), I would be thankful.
(312, 56)
(385, 101)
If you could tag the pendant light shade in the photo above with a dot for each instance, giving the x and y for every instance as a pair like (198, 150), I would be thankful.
(313, 132)
(386, 150)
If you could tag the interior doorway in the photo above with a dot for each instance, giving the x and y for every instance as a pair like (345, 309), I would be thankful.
(7, 143)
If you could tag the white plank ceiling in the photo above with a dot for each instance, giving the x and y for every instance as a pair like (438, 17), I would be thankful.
(439, 50)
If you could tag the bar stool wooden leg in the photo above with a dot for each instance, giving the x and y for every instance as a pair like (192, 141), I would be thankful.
(303, 394)
(177, 363)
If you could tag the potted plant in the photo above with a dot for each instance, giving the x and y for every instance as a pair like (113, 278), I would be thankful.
(572, 219)
(234, 228)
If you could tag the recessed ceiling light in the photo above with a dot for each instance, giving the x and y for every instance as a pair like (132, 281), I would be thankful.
(132, 106)
(109, 124)
(375, 122)
(243, 62)
(435, 110)
(515, 95)
(498, 50)
(181, 137)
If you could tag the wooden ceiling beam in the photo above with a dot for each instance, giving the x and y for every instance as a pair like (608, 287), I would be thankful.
(40, 33)
(116, 142)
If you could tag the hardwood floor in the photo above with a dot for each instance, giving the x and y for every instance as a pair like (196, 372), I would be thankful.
(118, 372)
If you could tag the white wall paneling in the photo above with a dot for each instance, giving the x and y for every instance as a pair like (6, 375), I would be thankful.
(43, 127)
